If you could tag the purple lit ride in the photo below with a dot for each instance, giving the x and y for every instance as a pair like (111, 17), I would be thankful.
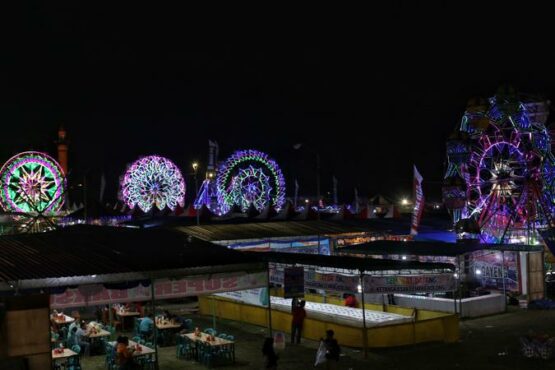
(248, 178)
(153, 181)
(498, 185)
(32, 183)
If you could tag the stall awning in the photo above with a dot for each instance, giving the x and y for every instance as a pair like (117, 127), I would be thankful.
(348, 262)
(416, 248)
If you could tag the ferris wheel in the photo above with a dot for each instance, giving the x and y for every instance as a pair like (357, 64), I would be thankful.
(153, 181)
(501, 173)
(250, 178)
(32, 183)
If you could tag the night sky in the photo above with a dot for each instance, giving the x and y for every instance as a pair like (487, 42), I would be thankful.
(372, 95)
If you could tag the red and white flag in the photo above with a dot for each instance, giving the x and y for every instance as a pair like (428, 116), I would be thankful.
(418, 202)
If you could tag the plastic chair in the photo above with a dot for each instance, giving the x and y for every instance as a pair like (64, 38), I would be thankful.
(231, 338)
(222, 335)
(211, 331)
(110, 362)
(188, 324)
(76, 348)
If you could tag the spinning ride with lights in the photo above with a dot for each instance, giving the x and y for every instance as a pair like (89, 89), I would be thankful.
(153, 181)
(249, 178)
(501, 171)
(32, 183)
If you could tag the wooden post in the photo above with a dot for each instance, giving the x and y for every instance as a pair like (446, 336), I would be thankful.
(504, 279)
(154, 329)
(269, 300)
(365, 331)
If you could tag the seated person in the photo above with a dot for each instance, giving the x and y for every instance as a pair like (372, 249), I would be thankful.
(147, 325)
(124, 354)
(80, 335)
(72, 337)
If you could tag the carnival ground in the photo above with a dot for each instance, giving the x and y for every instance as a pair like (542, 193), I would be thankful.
(485, 343)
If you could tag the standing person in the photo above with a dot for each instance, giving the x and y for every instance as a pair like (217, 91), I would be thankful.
(294, 303)
(332, 350)
(351, 300)
(270, 357)
(299, 314)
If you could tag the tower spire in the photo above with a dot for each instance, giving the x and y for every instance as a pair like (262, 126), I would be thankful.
(62, 148)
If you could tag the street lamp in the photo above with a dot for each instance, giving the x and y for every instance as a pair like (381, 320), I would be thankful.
(195, 169)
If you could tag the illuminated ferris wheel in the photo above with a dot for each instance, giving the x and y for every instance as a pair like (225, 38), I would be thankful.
(153, 181)
(501, 171)
(250, 178)
(32, 183)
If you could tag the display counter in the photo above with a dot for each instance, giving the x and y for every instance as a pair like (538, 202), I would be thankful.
(341, 314)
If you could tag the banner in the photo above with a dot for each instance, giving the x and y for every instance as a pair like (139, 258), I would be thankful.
(296, 197)
(293, 282)
(418, 203)
(92, 295)
(255, 297)
(334, 190)
(372, 284)
(410, 283)
(317, 280)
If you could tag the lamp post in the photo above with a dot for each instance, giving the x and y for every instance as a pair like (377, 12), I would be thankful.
(297, 147)
(195, 169)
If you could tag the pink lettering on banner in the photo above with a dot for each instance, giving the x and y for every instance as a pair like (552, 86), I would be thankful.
(230, 283)
(162, 289)
(197, 285)
(213, 284)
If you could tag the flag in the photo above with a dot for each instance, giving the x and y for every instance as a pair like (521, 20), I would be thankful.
(102, 187)
(418, 203)
(334, 190)
(296, 193)
(211, 155)
(356, 200)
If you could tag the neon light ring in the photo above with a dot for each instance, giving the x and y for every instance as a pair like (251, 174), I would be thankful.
(250, 177)
(153, 181)
(32, 182)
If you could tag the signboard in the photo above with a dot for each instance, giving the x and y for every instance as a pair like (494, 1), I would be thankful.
(163, 289)
(409, 283)
(293, 282)
(490, 268)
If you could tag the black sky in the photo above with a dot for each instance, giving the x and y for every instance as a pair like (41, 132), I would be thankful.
(373, 91)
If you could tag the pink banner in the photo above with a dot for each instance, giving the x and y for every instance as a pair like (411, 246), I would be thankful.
(166, 289)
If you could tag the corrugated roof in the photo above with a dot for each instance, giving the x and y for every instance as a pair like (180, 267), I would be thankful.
(262, 230)
(90, 250)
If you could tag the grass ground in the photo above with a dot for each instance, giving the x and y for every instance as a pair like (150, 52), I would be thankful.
(486, 343)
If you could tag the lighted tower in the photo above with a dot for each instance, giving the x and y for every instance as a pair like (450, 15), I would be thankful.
(62, 148)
